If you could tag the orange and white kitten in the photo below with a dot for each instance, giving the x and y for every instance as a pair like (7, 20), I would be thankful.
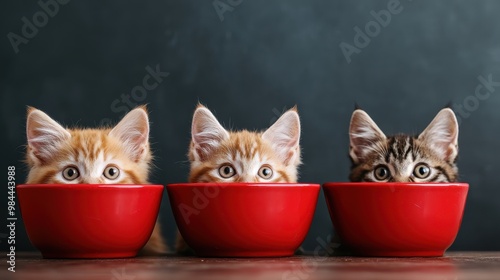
(218, 155)
(120, 155)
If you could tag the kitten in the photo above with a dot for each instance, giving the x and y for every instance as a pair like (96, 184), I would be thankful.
(428, 157)
(121, 155)
(218, 155)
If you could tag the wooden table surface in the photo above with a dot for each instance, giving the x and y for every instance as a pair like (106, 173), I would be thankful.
(455, 265)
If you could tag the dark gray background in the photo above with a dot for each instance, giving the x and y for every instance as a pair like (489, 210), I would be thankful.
(264, 57)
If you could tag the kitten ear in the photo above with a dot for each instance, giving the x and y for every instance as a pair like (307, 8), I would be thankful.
(363, 133)
(206, 132)
(44, 135)
(442, 135)
(284, 135)
(133, 132)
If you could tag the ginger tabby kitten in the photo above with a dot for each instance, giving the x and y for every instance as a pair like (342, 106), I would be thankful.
(218, 155)
(121, 155)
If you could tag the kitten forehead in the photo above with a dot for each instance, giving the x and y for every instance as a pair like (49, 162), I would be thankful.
(244, 145)
(402, 156)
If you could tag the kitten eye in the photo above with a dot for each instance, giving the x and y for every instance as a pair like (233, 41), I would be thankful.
(381, 172)
(111, 172)
(265, 172)
(70, 173)
(227, 171)
(422, 171)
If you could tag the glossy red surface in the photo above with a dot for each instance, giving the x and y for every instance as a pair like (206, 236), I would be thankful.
(243, 219)
(396, 219)
(89, 221)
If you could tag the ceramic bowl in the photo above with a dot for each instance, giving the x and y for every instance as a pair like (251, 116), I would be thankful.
(396, 219)
(89, 221)
(243, 219)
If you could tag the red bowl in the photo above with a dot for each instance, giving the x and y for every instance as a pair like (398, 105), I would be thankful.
(89, 221)
(243, 219)
(396, 219)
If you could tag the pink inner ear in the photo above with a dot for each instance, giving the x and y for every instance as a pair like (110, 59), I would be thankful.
(451, 151)
(290, 155)
(200, 152)
(43, 135)
(442, 134)
(363, 133)
(133, 132)
(284, 135)
(361, 144)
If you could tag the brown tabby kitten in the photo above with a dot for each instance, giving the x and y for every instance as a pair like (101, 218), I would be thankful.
(429, 157)
(218, 155)
(121, 155)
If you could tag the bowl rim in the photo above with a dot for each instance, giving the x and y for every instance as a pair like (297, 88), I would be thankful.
(244, 185)
(394, 185)
(88, 186)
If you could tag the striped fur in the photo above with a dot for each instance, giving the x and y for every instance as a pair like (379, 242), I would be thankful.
(246, 153)
(402, 155)
(52, 149)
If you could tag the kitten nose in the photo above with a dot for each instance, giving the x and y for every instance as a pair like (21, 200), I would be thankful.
(401, 179)
(248, 179)
(94, 181)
